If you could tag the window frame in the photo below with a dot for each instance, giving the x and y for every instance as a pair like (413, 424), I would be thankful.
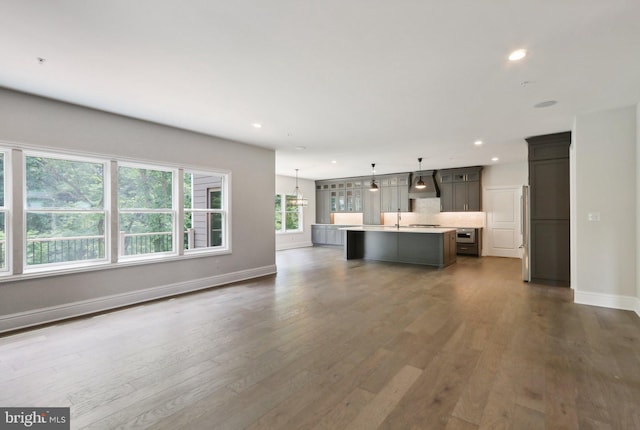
(173, 211)
(283, 212)
(105, 211)
(6, 209)
(16, 211)
(224, 188)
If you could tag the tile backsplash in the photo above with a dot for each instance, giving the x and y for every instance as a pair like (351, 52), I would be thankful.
(427, 211)
(347, 218)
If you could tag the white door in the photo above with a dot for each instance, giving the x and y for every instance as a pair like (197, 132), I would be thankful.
(503, 221)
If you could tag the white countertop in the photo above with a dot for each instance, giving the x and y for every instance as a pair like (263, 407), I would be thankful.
(392, 229)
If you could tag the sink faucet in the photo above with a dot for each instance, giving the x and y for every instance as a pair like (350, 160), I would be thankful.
(398, 220)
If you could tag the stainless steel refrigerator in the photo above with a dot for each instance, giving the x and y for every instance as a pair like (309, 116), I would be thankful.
(525, 232)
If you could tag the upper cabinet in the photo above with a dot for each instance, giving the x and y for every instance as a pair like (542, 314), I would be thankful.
(394, 193)
(353, 191)
(460, 189)
(549, 176)
(371, 208)
(340, 195)
(323, 204)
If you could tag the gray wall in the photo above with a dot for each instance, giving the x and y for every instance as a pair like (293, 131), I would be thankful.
(286, 184)
(637, 309)
(48, 124)
(604, 252)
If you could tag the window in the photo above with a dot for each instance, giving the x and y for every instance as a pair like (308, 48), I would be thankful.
(145, 202)
(64, 210)
(4, 264)
(288, 215)
(68, 221)
(205, 215)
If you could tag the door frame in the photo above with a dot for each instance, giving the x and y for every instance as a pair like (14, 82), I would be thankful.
(486, 204)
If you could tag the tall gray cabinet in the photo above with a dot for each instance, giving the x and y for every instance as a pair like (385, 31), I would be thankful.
(549, 209)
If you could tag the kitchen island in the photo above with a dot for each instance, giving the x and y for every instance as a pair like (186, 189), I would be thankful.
(430, 246)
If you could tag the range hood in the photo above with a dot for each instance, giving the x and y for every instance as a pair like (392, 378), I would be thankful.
(429, 179)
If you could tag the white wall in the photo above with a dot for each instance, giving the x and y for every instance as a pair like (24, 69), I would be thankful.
(44, 123)
(503, 175)
(286, 184)
(604, 255)
(500, 176)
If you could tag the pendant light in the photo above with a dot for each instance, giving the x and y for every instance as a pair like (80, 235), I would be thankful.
(298, 200)
(373, 186)
(420, 184)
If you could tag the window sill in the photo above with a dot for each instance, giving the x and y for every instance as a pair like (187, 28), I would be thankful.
(35, 273)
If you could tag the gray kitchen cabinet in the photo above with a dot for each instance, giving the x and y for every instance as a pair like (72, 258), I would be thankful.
(474, 196)
(333, 201)
(550, 196)
(404, 203)
(471, 248)
(338, 195)
(354, 200)
(318, 234)
(394, 193)
(327, 235)
(323, 207)
(388, 196)
(460, 189)
(446, 196)
(334, 236)
(371, 207)
(450, 250)
(549, 216)
(353, 195)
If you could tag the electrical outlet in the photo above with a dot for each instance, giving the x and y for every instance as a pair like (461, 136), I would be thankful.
(593, 216)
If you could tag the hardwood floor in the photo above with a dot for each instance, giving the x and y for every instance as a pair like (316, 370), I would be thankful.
(335, 344)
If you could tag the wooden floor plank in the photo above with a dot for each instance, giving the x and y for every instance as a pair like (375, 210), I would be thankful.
(373, 414)
(329, 343)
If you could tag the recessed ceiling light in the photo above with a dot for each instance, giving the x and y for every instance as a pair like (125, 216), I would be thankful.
(334, 161)
(518, 54)
(301, 148)
(495, 159)
(545, 104)
(477, 142)
(257, 125)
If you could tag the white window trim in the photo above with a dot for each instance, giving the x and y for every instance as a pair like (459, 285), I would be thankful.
(8, 182)
(283, 206)
(171, 211)
(106, 211)
(225, 211)
(15, 206)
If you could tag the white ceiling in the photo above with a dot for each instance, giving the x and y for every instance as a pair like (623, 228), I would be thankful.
(356, 81)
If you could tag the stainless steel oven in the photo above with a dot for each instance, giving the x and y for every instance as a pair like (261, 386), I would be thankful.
(466, 235)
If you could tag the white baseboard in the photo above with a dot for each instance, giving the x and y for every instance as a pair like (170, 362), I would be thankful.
(75, 309)
(293, 245)
(627, 303)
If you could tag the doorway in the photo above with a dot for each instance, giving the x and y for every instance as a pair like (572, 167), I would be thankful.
(503, 236)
